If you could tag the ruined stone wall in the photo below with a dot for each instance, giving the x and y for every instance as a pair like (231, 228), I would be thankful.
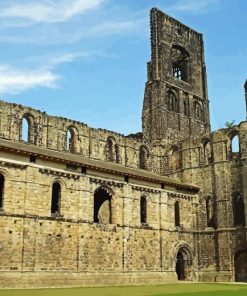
(71, 245)
(211, 163)
(51, 132)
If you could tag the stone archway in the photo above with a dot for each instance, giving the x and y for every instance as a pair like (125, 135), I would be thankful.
(102, 206)
(183, 264)
(240, 264)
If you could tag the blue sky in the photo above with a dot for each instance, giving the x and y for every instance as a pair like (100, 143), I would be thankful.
(86, 59)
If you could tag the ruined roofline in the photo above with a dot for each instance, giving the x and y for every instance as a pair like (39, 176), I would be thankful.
(97, 165)
(167, 16)
(27, 109)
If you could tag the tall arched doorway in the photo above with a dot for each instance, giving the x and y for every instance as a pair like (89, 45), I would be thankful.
(240, 263)
(180, 266)
(183, 264)
(102, 206)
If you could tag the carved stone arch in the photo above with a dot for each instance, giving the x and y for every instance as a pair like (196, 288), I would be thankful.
(71, 138)
(181, 64)
(58, 180)
(108, 189)
(4, 172)
(27, 131)
(183, 261)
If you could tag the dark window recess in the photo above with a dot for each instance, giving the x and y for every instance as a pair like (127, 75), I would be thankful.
(126, 179)
(83, 170)
(177, 214)
(71, 167)
(162, 186)
(32, 158)
(143, 209)
(56, 197)
(238, 209)
(1, 190)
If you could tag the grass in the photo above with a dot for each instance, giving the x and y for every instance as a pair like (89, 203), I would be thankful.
(161, 290)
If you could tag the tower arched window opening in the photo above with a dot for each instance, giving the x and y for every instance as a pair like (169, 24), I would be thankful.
(180, 63)
(235, 144)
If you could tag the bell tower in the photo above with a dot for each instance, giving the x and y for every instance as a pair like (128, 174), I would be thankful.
(176, 105)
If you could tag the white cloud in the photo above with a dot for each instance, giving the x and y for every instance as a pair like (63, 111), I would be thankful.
(193, 6)
(114, 27)
(100, 30)
(13, 81)
(49, 11)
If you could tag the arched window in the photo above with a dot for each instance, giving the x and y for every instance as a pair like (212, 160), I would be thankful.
(238, 209)
(209, 211)
(55, 199)
(186, 108)
(1, 190)
(207, 153)
(175, 162)
(111, 149)
(180, 63)
(172, 102)
(235, 144)
(198, 112)
(70, 140)
(143, 157)
(143, 210)
(102, 206)
(25, 130)
(177, 213)
(117, 151)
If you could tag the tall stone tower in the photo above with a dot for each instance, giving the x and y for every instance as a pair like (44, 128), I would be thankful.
(176, 103)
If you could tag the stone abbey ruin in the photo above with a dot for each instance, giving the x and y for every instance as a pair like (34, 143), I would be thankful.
(84, 206)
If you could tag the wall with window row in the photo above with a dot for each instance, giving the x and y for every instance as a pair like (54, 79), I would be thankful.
(33, 239)
(19, 123)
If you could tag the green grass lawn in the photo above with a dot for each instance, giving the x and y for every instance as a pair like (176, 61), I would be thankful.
(169, 289)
